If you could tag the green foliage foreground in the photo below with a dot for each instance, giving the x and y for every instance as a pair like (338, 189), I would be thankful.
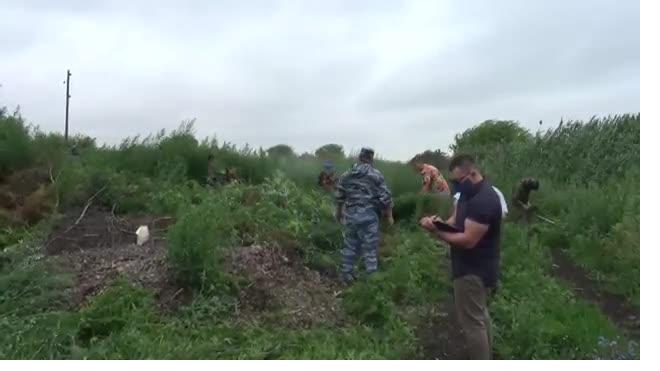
(536, 316)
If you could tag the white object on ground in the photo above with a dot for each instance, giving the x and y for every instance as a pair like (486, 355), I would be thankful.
(142, 235)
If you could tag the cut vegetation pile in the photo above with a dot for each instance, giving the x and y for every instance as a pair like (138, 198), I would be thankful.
(280, 284)
(98, 247)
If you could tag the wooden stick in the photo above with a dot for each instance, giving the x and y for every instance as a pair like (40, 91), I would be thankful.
(175, 294)
(82, 215)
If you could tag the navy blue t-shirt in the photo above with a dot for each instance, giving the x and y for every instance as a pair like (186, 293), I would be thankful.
(483, 260)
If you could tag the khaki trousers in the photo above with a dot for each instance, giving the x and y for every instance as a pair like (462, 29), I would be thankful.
(471, 298)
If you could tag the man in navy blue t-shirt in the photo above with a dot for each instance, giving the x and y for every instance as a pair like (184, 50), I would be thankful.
(475, 251)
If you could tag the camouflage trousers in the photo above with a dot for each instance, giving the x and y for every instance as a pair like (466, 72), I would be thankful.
(360, 241)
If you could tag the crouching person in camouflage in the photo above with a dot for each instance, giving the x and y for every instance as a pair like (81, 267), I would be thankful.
(362, 197)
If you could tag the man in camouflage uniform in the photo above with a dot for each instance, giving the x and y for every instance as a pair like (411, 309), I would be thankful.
(362, 196)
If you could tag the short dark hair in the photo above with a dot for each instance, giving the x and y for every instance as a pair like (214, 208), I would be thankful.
(461, 160)
(366, 154)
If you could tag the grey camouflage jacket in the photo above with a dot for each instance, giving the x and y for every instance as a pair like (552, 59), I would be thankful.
(363, 193)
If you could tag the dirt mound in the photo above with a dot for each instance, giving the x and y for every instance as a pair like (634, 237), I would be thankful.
(280, 284)
(616, 307)
(101, 247)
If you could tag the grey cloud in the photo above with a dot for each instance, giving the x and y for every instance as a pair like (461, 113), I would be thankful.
(402, 76)
(566, 48)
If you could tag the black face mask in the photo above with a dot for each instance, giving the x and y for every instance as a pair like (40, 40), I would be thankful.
(465, 186)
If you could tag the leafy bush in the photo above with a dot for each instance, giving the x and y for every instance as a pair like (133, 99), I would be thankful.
(281, 151)
(196, 241)
(15, 150)
(437, 158)
(489, 134)
(333, 152)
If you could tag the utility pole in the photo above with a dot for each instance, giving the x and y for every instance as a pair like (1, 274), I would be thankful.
(66, 117)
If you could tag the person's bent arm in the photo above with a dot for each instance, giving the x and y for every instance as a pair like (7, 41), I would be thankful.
(340, 198)
(385, 199)
(452, 219)
(467, 239)
(471, 235)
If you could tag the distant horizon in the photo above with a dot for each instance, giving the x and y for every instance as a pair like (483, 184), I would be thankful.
(348, 151)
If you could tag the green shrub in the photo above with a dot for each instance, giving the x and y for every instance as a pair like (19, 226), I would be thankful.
(15, 150)
(488, 134)
(196, 245)
(333, 152)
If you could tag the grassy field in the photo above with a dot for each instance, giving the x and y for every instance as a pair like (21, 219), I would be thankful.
(247, 271)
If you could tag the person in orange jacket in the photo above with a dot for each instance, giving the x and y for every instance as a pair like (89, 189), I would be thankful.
(433, 181)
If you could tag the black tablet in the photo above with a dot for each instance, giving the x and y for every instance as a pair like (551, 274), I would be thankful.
(445, 227)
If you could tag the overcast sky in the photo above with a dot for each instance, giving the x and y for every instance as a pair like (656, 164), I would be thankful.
(400, 76)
